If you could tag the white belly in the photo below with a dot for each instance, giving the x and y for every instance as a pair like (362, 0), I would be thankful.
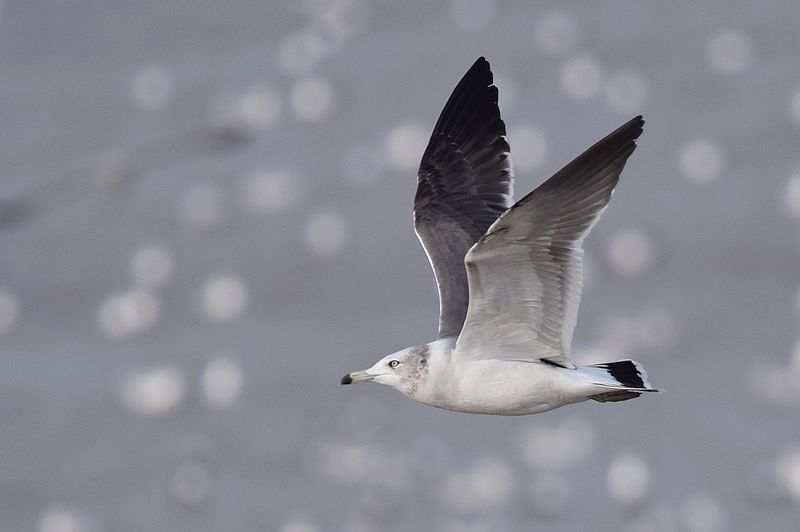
(503, 387)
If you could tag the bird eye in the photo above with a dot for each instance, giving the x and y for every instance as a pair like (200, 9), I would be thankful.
(394, 363)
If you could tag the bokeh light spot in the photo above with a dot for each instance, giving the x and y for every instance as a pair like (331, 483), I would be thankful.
(630, 252)
(312, 99)
(628, 479)
(326, 233)
(556, 33)
(580, 77)
(729, 51)
(260, 107)
(405, 145)
(529, 148)
(152, 87)
(58, 519)
(127, 313)
(269, 192)
(223, 297)
(154, 392)
(222, 382)
(625, 92)
(700, 161)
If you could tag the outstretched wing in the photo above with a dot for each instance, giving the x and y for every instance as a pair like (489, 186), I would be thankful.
(464, 183)
(525, 274)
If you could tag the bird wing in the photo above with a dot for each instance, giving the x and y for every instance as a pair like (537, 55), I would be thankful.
(464, 183)
(525, 275)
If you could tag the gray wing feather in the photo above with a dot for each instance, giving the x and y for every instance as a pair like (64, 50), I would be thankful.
(525, 274)
(464, 183)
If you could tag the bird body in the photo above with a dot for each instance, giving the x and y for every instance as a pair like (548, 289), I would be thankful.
(509, 275)
(492, 384)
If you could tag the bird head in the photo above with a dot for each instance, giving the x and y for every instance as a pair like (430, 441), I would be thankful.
(400, 370)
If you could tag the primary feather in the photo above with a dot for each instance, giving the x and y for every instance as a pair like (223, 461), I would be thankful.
(464, 183)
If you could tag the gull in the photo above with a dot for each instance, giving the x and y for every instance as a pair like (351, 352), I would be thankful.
(509, 275)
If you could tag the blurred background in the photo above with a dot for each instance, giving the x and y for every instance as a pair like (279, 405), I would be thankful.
(205, 221)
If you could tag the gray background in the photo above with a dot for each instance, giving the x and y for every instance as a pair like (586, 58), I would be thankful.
(130, 126)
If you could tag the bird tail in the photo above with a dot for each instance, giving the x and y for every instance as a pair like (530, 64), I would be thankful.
(619, 381)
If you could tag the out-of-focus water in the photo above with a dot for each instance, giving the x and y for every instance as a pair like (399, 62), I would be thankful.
(206, 222)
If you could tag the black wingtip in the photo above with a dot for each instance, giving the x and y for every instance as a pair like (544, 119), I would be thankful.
(611, 152)
(474, 99)
(480, 72)
(636, 123)
(624, 134)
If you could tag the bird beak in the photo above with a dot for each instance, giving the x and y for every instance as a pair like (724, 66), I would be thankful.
(356, 376)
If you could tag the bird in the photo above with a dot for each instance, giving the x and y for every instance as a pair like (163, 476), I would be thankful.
(509, 275)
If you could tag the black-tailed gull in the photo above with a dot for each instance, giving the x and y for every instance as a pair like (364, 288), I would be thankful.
(509, 277)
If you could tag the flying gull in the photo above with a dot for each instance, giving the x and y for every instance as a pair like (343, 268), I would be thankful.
(509, 274)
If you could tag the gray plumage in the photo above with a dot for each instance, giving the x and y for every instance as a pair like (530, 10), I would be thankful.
(464, 183)
(526, 273)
